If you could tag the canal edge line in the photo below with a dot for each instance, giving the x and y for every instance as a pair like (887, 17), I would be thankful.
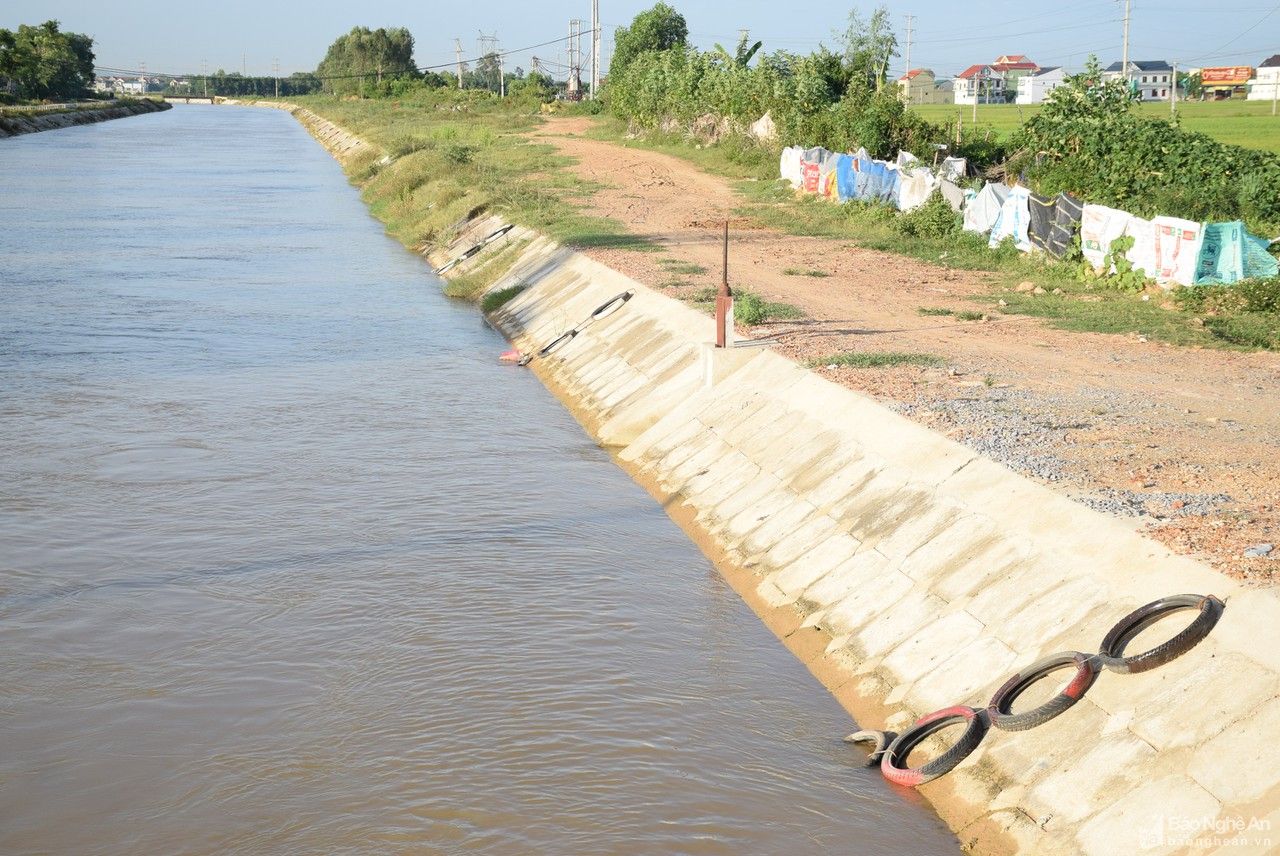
(910, 573)
(13, 126)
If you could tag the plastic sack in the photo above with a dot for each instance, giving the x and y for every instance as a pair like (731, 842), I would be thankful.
(1099, 226)
(1013, 221)
(981, 212)
(1228, 254)
(1177, 244)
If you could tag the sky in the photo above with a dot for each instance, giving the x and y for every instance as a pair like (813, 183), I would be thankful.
(946, 36)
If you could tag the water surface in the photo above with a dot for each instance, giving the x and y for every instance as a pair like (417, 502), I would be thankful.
(289, 563)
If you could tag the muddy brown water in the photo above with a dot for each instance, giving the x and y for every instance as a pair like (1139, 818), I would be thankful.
(289, 563)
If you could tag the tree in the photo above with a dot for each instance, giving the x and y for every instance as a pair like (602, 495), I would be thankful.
(869, 45)
(658, 29)
(43, 62)
(742, 56)
(363, 57)
(489, 70)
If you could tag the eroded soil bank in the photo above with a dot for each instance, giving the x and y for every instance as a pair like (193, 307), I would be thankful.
(12, 126)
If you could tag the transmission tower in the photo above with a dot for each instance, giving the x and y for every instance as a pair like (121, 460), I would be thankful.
(485, 45)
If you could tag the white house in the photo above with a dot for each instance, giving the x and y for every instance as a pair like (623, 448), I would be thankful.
(1151, 79)
(1266, 82)
(1034, 88)
(979, 84)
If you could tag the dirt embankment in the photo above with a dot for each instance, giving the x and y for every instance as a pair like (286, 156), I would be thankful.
(1184, 442)
(12, 126)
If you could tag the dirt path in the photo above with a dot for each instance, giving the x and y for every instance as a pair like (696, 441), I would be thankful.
(1185, 442)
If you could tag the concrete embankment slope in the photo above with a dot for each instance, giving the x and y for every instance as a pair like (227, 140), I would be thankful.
(910, 573)
(12, 126)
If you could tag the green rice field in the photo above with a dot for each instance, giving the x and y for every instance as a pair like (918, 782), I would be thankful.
(1239, 122)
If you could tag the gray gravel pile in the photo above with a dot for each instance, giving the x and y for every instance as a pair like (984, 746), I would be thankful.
(1003, 425)
(1131, 503)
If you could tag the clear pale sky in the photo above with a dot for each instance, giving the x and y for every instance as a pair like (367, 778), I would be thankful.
(948, 37)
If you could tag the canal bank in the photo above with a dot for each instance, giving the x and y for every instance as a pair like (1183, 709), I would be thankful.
(13, 125)
(910, 573)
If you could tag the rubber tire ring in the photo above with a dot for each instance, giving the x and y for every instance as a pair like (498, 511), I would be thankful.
(620, 299)
(998, 711)
(562, 339)
(878, 740)
(1112, 654)
(498, 234)
(946, 762)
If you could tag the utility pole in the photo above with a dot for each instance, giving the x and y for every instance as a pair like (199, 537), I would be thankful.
(457, 45)
(1124, 56)
(910, 20)
(595, 49)
(575, 60)
(1173, 94)
(142, 69)
(502, 76)
(275, 67)
(244, 65)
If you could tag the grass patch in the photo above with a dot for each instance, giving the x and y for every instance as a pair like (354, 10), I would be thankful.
(876, 359)
(458, 154)
(817, 274)
(1236, 121)
(495, 300)
(934, 310)
(679, 267)
(475, 282)
(753, 310)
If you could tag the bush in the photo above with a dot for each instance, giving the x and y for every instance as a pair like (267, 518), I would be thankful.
(494, 300)
(934, 219)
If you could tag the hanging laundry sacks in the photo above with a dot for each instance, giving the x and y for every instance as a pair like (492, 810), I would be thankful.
(1099, 226)
(1177, 246)
(1229, 254)
(981, 212)
(1142, 255)
(1041, 210)
(1066, 220)
(1013, 220)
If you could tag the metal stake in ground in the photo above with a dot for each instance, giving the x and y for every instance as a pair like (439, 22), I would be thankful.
(724, 300)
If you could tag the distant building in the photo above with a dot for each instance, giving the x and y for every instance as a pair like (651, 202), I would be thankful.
(978, 84)
(1265, 85)
(920, 86)
(994, 83)
(1225, 81)
(1150, 79)
(1034, 88)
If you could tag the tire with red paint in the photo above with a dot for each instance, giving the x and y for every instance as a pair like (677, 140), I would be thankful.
(1112, 655)
(879, 742)
(1000, 712)
(893, 765)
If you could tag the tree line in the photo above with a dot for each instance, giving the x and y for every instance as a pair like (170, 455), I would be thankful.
(42, 62)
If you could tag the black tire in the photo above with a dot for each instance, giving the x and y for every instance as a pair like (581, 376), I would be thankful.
(893, 765)
(462, 258)
(999, 710)
(611, 305)
(1113, 645)
(558, 342)
(498, 234)
(878, 741)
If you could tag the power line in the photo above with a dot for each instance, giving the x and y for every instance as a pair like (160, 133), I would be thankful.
(420, 68)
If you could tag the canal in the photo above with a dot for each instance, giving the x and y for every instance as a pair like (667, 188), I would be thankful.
(289, 563)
